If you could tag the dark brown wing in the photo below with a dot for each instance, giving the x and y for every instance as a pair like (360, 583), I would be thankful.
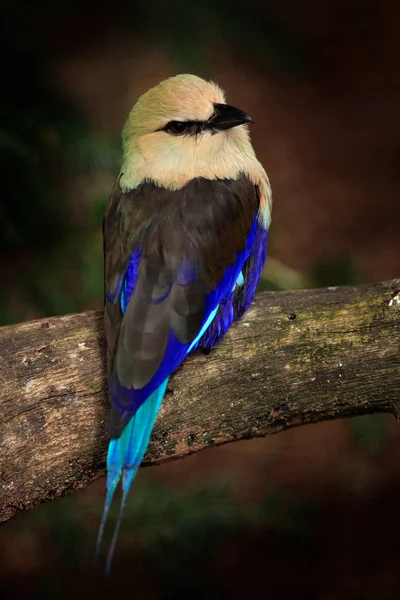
(169, 256)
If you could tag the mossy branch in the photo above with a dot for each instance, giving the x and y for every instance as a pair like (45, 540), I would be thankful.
(296, 357)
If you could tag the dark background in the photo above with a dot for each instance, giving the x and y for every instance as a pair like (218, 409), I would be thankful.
(311, 512)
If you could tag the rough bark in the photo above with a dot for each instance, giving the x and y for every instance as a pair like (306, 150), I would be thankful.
(296, 357)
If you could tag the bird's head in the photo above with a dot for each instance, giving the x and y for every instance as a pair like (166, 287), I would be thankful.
(182, 128)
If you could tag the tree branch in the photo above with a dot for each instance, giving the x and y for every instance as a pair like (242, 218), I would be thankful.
(296, 357)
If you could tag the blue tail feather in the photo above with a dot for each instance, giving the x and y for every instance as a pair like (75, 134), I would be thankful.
(112, 482)
(124, 457)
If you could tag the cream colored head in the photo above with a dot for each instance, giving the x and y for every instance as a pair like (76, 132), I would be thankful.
(182, 129)
(180, 98)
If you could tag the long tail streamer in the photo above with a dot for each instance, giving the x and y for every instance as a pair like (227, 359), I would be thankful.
(123, 459)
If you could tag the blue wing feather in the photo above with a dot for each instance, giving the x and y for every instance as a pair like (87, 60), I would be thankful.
(131, 399)
(239, 300)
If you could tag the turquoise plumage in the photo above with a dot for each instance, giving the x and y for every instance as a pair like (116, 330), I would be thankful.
(124, 457)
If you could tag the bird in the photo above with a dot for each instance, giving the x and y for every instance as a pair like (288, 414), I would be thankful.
(185, 235)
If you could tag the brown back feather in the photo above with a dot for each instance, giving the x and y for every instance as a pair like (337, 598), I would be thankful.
(204, 224)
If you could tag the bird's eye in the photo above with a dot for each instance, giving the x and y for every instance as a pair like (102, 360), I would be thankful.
(175, 127)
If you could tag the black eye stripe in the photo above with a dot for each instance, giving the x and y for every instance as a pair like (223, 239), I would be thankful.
(177, 127)
(186, 127)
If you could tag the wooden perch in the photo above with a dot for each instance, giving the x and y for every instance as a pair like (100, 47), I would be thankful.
(296, 357)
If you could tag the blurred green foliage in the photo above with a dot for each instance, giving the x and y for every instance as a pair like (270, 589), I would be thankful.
(371, 433)
(179, 532)
(183, 28)
(340, 270)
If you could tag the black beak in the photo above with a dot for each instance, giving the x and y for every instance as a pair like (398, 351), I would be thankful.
(226, 116)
